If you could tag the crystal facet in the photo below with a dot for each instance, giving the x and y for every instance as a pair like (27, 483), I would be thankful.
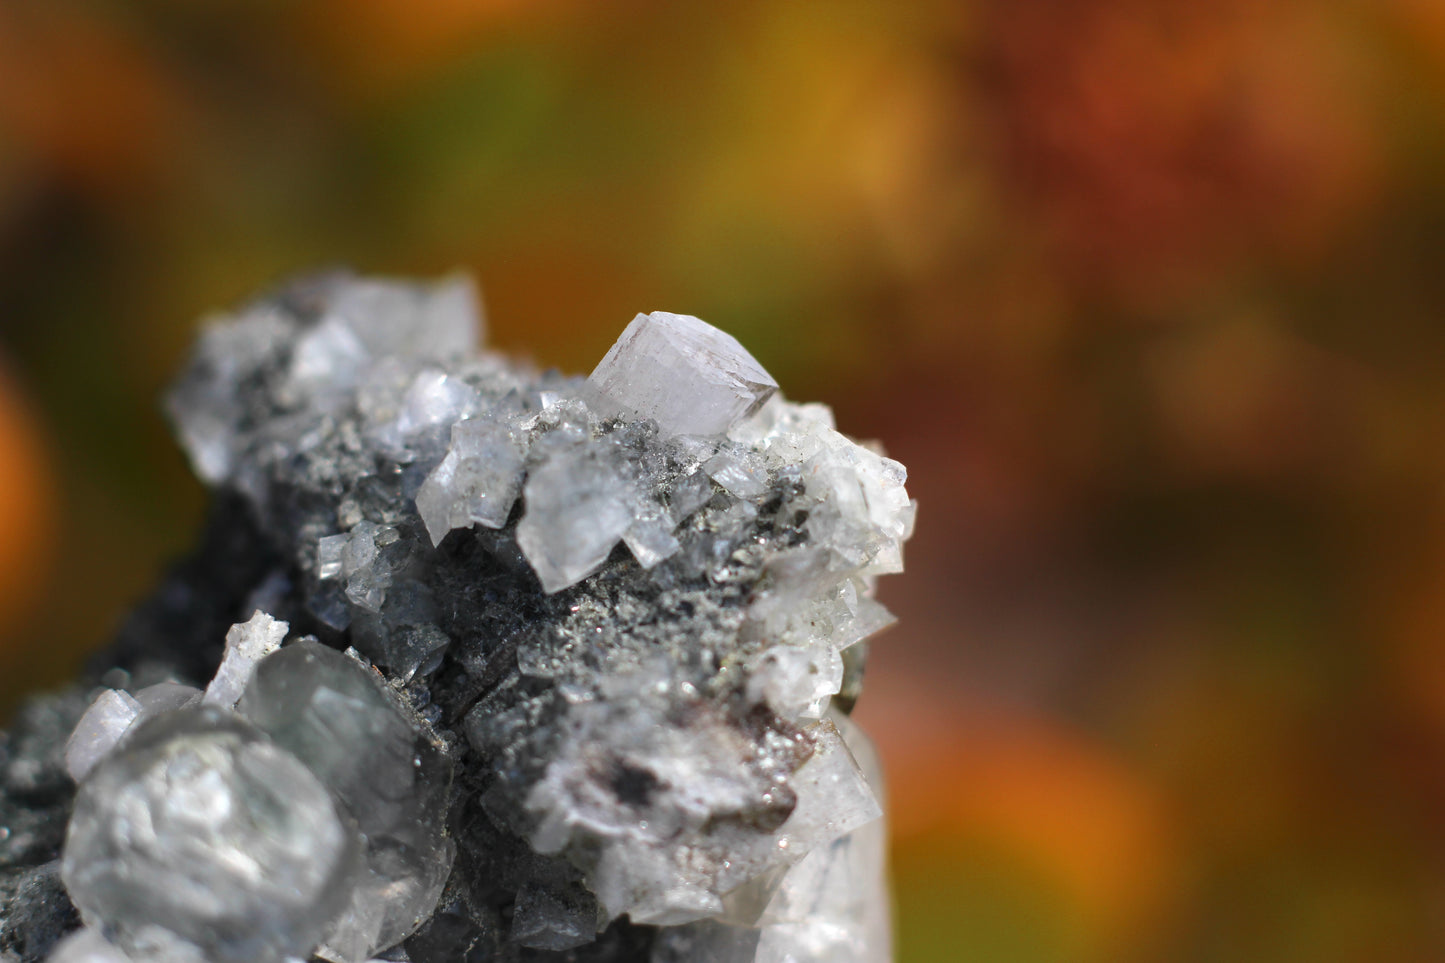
(99, 731)
(246, 644)
(682, 373)
(202, 840)
(386, 769)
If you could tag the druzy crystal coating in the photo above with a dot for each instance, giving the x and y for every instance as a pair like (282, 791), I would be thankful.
(566, 664)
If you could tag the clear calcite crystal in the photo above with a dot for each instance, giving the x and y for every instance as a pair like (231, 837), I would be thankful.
(568, 667)
(680, 372)
(388, 772)
(476, 483)
(200, 840)
(577, 510)
(166, 697)
(99, 731)
(246, 644)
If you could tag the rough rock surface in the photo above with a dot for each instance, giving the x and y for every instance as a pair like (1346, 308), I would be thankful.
(620, 621)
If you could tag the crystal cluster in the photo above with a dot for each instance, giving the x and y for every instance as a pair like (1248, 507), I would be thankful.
(202, 840)
(296, 804)
(566, 670)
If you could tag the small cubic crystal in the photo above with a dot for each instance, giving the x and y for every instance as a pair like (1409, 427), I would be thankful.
(99, 731)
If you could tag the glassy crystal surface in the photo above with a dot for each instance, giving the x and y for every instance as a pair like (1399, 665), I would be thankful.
(99, 730)
(246, 644)
(577, 511)
(200, 839)
(386, 768)
(830, 907)
(166, 697)
(680, 372)
(476, 483)
(577, 657)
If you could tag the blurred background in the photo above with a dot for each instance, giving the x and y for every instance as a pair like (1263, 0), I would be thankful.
(1147, 294)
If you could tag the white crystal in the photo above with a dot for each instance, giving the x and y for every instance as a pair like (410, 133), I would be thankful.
(330, 555)
(327, 362)
(688, 376)
(380, 395)
(688, 494)
(834, 795)
(86, 945)
(205, 405)
(166, 697)
(657, 800)
(366, 579)
(650, 537)
(99, 731)
(834, 906)
(740, 471)
(434, 398)
(246, 644)
(577, 510)
(864, 513)
(476, 483)
(795, 681)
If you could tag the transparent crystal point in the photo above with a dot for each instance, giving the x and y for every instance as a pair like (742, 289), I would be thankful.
(476, 483)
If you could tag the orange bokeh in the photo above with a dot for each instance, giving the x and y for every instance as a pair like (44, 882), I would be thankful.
(83, 95)
(27, 511)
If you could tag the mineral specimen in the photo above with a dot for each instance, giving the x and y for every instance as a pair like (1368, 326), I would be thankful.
(566, 670)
